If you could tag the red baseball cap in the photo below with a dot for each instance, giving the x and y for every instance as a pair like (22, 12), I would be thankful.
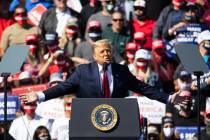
(139, 36)
(158, 44)
(31, 38)
(131, 46)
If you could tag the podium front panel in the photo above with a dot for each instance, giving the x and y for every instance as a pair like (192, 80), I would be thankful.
(127, 127)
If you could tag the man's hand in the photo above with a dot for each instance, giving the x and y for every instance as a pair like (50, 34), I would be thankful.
(177, 99)
(29, 98)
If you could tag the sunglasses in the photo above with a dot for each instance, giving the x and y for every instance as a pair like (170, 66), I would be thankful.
(20, 14)
(115, 20)
(139, 8)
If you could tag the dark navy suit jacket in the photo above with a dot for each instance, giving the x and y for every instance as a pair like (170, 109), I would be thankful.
(85, 82)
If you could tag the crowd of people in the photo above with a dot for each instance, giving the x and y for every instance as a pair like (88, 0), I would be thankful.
(142, 35)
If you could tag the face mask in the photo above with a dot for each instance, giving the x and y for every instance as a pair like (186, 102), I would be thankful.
(141, 17)
(141, 65)
(72, 34)
(206, 58)
(29, 109)
(185, 86)
(190, 18)
(94, 36)
(20, 19)
(32, 49)
(110, 8)
(168, 132)
(44, 138)
(130, 56)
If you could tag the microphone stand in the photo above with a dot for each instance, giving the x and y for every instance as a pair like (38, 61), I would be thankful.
(5, 77)
(198, 75)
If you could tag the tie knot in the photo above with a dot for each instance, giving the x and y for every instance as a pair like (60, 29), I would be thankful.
(105, 66)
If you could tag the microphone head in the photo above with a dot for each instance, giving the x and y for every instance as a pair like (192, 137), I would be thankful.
(105, 66)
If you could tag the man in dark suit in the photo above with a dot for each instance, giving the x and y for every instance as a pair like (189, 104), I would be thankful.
(87, 81)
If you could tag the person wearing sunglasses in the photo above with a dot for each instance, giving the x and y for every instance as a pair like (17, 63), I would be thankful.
(15, 34)
(140, 22)
(117, 33)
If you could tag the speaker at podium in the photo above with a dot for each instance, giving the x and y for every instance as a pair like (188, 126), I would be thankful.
(104, 119)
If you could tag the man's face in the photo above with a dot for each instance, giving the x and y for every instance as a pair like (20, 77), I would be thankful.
(117, 21)
(102, 54)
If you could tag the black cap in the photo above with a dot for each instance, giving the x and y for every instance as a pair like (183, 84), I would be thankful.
(167, 119)
(51, 38)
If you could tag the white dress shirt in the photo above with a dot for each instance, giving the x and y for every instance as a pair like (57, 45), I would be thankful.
(110, 77)
(62, 18)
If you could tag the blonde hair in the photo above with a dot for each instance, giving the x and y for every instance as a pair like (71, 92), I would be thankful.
(102, 42)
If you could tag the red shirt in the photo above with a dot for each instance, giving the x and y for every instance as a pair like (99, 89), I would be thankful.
(147, 28)
(4, 23)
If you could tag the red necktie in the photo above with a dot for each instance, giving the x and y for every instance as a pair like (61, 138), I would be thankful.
(105, 85)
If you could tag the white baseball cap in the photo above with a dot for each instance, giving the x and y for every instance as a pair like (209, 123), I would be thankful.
(205, 35)
(144, 54)
(140, 3)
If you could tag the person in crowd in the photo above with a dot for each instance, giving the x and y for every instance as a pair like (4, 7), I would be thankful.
(71, 37)
(60, 127)
(57, 61)
(84, 49)
(24, 127)
(117, 33)
(21, 27)
(130, 50)
(41, 133)
(163, 65)
(188, 29)
(52, 109)
(168, 131)
(55, 19)
(140, 39)
(103, 16)
(25, 79)
(152, 132)
(89, 9)
(32, 64)
(141, 23)
(92, 81)
(143, 68)
(169, 16)
(203, 40)
(185, 114)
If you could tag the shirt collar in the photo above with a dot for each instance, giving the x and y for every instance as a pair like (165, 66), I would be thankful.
(100, 68)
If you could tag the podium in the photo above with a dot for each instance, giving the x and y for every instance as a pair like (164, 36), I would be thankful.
(104, 119)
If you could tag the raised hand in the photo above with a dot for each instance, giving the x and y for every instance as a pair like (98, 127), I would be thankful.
(31, 97)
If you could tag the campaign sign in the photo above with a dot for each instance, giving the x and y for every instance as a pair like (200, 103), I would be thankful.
(186, 132)
(36, 13)
(151, 109)
(13, 105)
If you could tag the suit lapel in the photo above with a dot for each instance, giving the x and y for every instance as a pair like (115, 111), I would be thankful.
(96, 77)
(115, 80)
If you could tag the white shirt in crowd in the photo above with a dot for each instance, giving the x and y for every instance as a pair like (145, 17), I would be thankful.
(60, 129)
(62, 18)
(23, 129)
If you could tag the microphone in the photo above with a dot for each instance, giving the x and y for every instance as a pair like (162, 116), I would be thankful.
(105, 66)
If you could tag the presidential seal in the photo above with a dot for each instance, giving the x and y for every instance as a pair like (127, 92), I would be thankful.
(104, 117)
